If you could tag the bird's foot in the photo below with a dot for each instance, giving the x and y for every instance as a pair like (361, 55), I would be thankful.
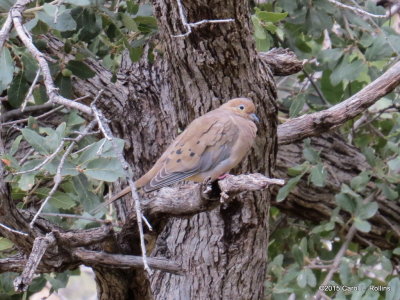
(223, 176)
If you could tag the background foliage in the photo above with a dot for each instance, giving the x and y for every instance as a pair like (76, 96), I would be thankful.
(343, 51)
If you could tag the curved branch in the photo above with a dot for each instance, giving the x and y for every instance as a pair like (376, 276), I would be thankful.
(322, 121)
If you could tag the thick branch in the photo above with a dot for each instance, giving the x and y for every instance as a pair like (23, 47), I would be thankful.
(322, 121)
(190, 198)
(93, 258)
(282, 62)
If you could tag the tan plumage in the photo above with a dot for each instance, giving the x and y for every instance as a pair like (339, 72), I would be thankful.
(209, 147)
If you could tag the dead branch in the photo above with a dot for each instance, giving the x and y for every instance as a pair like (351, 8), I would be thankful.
(282, 62)
(40, 245)
(316, 123)
(94, 258)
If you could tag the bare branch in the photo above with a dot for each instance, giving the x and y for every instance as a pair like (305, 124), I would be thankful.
(322, 121)
(40, 246)
(5, 30)
(13, 230)
(58, 178)
(282, 62)
(103, 125)
(189, 26)
(94, 258)
(48, 159)
(52, 91)
(30, 91)
(356, 10)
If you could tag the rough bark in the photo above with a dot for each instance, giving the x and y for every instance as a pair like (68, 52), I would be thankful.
(147, 106)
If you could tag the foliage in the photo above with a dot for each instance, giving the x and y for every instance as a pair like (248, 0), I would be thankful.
(344, 53)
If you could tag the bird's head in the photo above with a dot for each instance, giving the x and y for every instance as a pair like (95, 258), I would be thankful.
(243, 107)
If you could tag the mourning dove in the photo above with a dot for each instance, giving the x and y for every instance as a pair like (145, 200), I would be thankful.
(209, 147)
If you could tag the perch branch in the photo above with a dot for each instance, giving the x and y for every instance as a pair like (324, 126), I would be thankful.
(40, 246)
(126, 261)
(316, 123)
(189, 199)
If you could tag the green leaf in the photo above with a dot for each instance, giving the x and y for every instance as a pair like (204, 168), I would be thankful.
(396, 251)
(135, 53)
(311, 279)
(302, 279)
(345, 202)
(26, 182)
(271, 16)
(287, 188)
(359, 182)
(93, 151)
(394, 164)
(299, 169)
(361, 225)
(80, 69)
(297, 105)
(394, 292)
(318, 175)
(368, 210)
(310, 154)
(59, 199)
(129, 23)
(65, 86)
(68, 169)
(333, 93)
(30, 66)
(6, 67)
(40, 95)
(344, 271)
(106, 169)
(5, 244)
(347, 71)
(17, 91)
(88, 199)
(65, 22)
(35, 140)
(15, 145)
(74, 119)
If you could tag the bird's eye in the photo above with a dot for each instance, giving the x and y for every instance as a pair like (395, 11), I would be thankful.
(241, 107)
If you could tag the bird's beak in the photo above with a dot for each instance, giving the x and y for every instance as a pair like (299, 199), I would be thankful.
(255, 118)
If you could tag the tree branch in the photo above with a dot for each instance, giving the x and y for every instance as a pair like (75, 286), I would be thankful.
(40, 245)
(282, 62)
(93, 258)
(322, 121)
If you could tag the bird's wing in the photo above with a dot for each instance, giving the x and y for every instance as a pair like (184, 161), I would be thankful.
(206, 142)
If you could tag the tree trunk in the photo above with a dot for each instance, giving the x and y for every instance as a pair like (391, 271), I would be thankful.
(224, 251)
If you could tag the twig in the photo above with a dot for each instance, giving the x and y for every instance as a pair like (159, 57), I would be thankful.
(39, 247)
(103, 126)
(48, 159)
(52, 91)
(30, 91)
(189, 26)
(13, 230)
(339, 255)
(42, 115)
(394, 49)
(309, 77)
(356, 10)
(125, 261)
(58, 178)
(75, 217)
(5, 30)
